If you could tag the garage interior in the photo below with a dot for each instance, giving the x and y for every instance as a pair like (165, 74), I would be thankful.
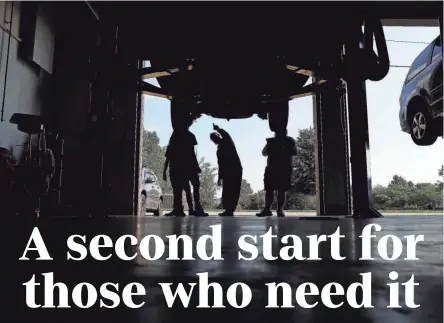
(73, 71)
(85, 81)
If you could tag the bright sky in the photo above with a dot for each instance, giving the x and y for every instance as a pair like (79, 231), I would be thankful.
(391, 151)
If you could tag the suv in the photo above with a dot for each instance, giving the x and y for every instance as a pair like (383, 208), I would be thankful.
(151, 194)
(421, 112)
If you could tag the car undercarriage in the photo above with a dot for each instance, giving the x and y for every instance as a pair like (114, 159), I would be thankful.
(231, 69)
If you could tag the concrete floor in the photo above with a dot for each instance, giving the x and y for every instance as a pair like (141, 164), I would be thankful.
(428, 270)
(310, 213)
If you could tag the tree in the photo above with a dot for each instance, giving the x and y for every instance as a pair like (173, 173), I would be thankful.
(426, 195)
(208, 186)
(153, 158)
(256, 201)
(401, 193)
(380, 190)
(303, 179)
(398, 181)
(298, 201)
(381, 196)
(245, 193)
(440, 183)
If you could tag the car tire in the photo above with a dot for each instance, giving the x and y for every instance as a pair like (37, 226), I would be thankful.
(180, 114)
(422, 130)
(159, 211)
(143, 204)
(278, 115)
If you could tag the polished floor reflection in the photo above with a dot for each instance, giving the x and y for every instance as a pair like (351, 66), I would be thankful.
(428, 270)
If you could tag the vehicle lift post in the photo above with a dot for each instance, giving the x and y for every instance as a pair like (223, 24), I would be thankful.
(331, 153)
(342, 139)
(362, 192)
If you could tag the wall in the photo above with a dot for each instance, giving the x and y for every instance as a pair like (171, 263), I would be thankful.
(61, 90)
(73, 86)
(58, 89)
(26, 84)
(100, 158)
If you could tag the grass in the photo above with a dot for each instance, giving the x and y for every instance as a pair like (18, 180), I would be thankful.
(411, 211)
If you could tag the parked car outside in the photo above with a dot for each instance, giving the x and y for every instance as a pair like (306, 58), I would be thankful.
(421, 112)
(151, 194)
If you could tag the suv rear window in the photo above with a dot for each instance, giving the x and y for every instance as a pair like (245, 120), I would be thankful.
(419, 63)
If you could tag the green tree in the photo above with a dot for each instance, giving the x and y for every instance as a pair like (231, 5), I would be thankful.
(153, 158)
(245, 193)
(398, 181)
(380, 190)
(401, 193)
(303, 179)
(298, 201)
(440, 182)
(208, 185)
(381, 196)
(426, 195)
(256, 201)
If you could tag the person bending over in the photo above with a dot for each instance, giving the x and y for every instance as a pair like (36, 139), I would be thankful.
(230, 170)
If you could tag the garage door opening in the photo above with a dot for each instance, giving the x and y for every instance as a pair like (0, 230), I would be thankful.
(250, 136)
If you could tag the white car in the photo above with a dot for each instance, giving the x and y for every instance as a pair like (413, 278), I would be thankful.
(151, 194)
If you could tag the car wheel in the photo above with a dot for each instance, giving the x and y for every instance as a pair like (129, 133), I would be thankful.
(180, 114)
(143, 204)
(159, 211)
(421, 126)
(278, 115)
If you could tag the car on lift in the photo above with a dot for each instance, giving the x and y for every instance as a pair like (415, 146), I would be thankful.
(421, 112)
(233, 70)
(151, 194)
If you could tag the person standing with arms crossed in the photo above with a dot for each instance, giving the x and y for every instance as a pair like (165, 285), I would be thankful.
(230, 170)
(279, 152)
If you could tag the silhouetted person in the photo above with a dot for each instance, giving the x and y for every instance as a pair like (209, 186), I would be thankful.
(184, 168)
(230, 170)
(278, 171)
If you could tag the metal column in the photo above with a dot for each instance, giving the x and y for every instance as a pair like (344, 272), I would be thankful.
(123, 153)
(138, 147)
(362, 191)
(331, 154)
(100, 120)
